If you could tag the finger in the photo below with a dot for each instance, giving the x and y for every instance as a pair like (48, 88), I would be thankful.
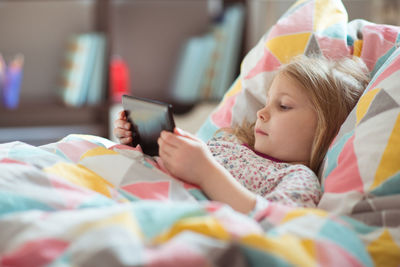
(183, 133)
(121, 133)
(122, 124)
(126, 140)
(122, 115)
(164, 147)
(164, 155)
(169, 138)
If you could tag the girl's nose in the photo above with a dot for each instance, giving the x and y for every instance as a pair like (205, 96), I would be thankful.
(263, 114)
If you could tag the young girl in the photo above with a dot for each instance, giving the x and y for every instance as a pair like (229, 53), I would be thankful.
(276, 157)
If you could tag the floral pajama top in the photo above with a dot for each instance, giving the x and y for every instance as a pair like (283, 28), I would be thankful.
(290, 184)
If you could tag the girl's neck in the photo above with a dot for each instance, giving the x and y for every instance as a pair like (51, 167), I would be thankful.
(274, 159)
(264, 155)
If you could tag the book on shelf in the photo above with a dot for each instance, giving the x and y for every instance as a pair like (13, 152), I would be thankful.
(192, 64)
(82, 79)
(96, 91)
(208, 63)
(229, 35)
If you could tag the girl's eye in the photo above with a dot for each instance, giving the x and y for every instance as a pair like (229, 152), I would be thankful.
(284, 107)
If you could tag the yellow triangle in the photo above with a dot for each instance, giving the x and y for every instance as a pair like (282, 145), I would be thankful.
(301, 212)
(82, 176)
(205, 225)
(98, 151)
(390, 161)
(286, 47)
(299, 2)
(309, 246)
(384, 251)
(364, 103)
(328, 13)
(293, 249)
(236, 87)
(357, 48)
(124, 219)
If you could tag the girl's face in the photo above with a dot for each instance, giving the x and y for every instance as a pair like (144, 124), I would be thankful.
(285, 127)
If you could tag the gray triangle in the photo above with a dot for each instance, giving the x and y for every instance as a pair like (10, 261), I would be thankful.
(312, 47)
(385, 101)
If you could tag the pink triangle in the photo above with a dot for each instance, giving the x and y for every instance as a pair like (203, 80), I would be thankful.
(147, 190)
(268, 62)
(223, 116)
(12, 161)
(333, 48)
(125, 147)
(72, 196)
(213, 206)
(75, 149)
(333, 255)
(346, 176)
(378, 40)
(393, 67)
(189, 186)
(301, 20)
(174, 253)
(35, 253)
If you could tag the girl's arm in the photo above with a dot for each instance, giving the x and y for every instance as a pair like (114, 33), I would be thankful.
(189, 158)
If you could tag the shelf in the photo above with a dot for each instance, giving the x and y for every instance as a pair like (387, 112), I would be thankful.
(52, 114)
(41, 124)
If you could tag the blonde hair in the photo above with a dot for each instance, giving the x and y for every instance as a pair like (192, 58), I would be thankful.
(333, 86)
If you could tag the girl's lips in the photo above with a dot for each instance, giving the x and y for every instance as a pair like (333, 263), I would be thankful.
(261, 132)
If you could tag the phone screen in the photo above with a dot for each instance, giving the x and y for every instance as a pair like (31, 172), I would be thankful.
(148, 119)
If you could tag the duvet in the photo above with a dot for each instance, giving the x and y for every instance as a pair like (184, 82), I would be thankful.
(85, 201)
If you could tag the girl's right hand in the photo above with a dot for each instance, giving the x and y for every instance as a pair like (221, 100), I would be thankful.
(122, 129)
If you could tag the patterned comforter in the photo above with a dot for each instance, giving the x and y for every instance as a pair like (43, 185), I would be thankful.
(85, 201)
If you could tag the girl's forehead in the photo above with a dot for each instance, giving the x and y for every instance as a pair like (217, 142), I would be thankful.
(283, 84)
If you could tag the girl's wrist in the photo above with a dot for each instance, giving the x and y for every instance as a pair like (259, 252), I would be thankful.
(208, 172)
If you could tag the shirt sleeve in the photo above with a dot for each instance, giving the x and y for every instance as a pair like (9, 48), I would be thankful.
(298, 187)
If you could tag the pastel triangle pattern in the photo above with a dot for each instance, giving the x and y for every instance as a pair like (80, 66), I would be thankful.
(149, 190)
(293, 23)
(328, 13)
(388, 70)
(364, 103)
(338, 181)
(74, 150)
(384, 244)
(223, 118)
(335, 150)
(268, 62)
(386, 103)
(390, 162)
(286, 47)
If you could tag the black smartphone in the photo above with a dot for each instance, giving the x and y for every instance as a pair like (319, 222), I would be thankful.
(148, 118)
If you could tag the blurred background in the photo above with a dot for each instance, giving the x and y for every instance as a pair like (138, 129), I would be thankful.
(64, 64)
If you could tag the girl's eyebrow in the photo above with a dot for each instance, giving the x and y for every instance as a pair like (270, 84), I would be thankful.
(285, 94)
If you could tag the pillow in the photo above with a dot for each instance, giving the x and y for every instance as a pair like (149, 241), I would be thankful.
(363, 162)
(313, 26)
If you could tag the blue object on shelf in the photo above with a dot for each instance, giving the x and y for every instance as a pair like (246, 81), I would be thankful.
(11, 80)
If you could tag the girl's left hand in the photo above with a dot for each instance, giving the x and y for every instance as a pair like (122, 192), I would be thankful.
(185, 156)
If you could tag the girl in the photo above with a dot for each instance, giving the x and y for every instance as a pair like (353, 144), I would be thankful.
(276, 157)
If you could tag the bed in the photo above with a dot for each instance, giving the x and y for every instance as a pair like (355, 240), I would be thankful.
(87, 201)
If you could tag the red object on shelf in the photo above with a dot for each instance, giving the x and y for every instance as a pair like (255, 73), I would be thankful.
(119, 79)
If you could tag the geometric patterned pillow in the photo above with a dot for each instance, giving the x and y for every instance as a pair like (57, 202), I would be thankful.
(308, 26)
(362, 166)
